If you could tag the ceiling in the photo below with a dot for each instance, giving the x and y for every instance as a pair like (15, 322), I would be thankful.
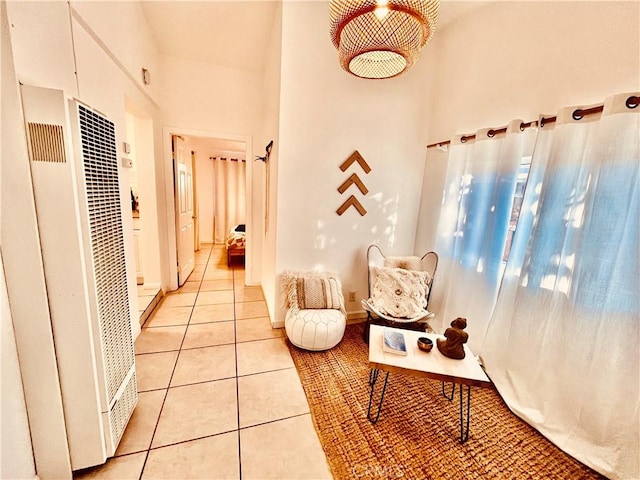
(234, 33)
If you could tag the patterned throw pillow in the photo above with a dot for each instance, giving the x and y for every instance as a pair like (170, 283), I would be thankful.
(318, 293)
(400, 293)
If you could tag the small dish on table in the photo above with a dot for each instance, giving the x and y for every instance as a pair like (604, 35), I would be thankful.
(425, 344)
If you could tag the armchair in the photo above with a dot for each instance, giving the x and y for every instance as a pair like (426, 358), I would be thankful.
(399, 289)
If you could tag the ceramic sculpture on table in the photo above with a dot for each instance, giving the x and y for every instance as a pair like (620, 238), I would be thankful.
(456, 337)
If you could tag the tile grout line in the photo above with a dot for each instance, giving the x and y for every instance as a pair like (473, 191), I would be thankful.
(276, 420)
(235, 348)
(155, 429)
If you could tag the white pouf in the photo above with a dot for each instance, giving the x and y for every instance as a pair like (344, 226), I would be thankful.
(317, 329)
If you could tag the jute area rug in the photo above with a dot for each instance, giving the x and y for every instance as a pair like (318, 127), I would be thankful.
(417, 435)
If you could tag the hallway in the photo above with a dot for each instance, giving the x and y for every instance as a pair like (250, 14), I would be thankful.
(219, 395)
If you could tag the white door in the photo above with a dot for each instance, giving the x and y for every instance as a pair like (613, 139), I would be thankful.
(184, 209)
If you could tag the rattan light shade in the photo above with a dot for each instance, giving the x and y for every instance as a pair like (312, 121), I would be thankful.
(381, 45)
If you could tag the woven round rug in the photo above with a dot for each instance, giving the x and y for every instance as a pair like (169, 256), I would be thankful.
(417, 434)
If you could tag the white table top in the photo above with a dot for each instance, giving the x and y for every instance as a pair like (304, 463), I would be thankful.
(431, 364)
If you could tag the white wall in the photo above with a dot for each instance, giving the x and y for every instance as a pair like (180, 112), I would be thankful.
(509, 60)
(325, 115)
(16, 458)
(201, 96)
(121, 30)
(42, 44)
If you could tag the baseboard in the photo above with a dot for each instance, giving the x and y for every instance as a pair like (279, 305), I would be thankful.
(151, 307)
(359, 316)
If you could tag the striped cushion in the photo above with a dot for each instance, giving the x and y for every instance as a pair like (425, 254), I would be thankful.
(318, 293)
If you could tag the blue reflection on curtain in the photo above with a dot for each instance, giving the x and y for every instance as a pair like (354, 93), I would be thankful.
(478, 203)
(488, 210)
(611, 282)
(552, 236)
(584, 243)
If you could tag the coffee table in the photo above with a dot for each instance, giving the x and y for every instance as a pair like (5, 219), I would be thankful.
(433, 365)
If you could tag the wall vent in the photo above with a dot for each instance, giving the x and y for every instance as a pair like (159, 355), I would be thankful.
(46, 143)
(75, 168)
(121, 410)
(99, 155)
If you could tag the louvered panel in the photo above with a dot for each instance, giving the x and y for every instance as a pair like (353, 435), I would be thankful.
(46, 143)
(107, 246)
(121, 411)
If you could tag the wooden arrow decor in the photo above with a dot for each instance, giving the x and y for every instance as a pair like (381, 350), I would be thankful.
(353, 180)
(355, 157)
(352, 202)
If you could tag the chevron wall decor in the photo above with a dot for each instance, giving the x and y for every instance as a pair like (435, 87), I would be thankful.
(353, 179)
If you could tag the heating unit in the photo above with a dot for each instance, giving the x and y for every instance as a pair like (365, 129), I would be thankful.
(74, 166)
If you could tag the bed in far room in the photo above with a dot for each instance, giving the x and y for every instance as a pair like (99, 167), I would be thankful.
(236, 241)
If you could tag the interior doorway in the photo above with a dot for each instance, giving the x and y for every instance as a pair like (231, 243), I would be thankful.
(204, 147)
(144, 206)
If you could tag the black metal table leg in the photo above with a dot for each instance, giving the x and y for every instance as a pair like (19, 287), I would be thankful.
(373, 378)
(453, 391)
(464, 429)
(464, 422)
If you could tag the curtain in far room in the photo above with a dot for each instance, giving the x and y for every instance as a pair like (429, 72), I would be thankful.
(229, 196)
(484, 174)
(562, 346)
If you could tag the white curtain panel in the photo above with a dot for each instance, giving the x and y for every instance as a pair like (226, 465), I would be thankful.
(562, 346)
(229, 196)
(473, 227)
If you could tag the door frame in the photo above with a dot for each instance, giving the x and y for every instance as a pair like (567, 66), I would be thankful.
(196, 213)
(252, 232)
(186, 267)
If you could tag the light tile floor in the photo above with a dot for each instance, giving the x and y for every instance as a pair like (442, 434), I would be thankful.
(219, 395)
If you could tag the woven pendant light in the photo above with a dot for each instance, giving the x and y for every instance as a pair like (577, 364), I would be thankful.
(381, 38)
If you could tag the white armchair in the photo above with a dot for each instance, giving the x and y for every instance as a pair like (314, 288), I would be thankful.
(399, 290)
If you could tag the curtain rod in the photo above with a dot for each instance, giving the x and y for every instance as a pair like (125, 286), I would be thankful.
(493, 132)
(578, 114)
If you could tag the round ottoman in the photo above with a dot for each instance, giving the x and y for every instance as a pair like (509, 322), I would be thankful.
(315, 329)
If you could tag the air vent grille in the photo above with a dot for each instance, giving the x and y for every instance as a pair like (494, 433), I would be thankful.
(46, 143)
(122, 409)
(100, 161)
